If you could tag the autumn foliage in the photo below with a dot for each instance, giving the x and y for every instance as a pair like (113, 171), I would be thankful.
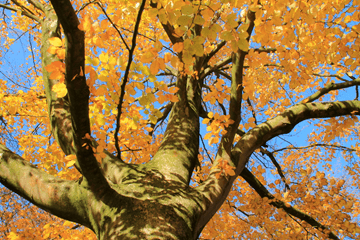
(235, 119)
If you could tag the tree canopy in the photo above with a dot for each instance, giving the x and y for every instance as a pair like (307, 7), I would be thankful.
(210, 119)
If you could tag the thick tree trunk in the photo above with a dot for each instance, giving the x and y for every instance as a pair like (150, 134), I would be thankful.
(161, 216)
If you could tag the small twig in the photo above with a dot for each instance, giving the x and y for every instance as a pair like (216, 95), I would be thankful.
(113, 24)
(331, 75)
(33, 56)
(276, 164)
(207, 153)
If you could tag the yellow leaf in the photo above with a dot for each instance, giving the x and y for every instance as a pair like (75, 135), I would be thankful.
(104, 57)
(60, 90)
(56, 75)
(55, 41)
(13, 236)
(70, 157)
(67, 223)
(100, 119)
(286, 194)
(70, 163)
(206, 121)
(147, 57)
(173, 90)
(184, 20)
(52, 49)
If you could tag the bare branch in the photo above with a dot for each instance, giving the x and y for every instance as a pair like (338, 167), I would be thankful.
(126, 76)
(265, 50)
(339, 147)
(276, 164)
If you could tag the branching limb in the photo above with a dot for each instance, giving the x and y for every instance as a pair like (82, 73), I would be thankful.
(57, 196)
(167, 109)
(78, 94)
(217, 189)
(37, 5)
(286, 121)
(209, 70)
(126, 76)
(238, 60)
(263, 192)
(330, 87)
(214, 51)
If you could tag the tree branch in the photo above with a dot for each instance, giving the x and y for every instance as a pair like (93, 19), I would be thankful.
(37, 5)
(215, 189)
(58, 108)
(167, 109)
(24, 11)
(238, 60)
(216, 67)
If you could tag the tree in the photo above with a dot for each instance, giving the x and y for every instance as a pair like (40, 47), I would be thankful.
(106, 131)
